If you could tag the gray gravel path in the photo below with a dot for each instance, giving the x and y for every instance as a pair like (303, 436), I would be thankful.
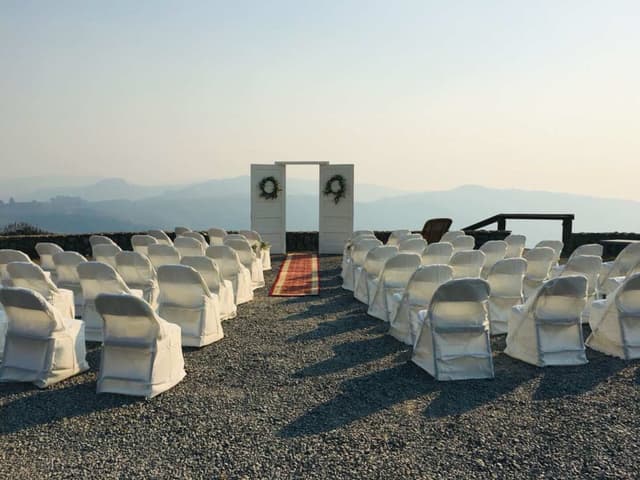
(313, 388)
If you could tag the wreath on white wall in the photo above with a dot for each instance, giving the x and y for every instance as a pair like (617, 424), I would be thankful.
(269, 188)
(336, 186)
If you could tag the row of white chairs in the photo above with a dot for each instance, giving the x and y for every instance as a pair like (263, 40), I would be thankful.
(408, 287)
(191, 297)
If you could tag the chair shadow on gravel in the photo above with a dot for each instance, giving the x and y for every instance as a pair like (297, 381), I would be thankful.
(343, 324)
(351, 354)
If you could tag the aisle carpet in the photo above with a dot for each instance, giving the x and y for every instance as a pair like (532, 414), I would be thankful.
(298, 276)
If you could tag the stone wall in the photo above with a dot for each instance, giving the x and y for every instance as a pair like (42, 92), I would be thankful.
(296, 241)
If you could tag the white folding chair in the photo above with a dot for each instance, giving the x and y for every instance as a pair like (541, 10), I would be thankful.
(138, 273)
(97, 278)
(196, 235)
(467, 263)
(506, 281)
(613, 273)
(249, 259)
(180, 230)
(397, 236)
(41, 345)
(406, 324)
(437, 254)
(557, 247)
(216, 236)
(67, 276)
(454, 343)
(463, 243)
(46, 251)
(232, 269)
(589, 267)
(413, 245)
(547, 329)
(106, 253)
(448, 237)
(189, 247)
(31, 276)
(367, 275)
(615, 321)
(539, 263)
(140, 243)
(587, 249)
(8, 256)
(494, 251)
(141, 352)
(394, 277)
(161, 237)
(262, 249)
(515, 245)
(99, 240)
(211, 275)
(359, 251)
(186, 301)
(162, 254)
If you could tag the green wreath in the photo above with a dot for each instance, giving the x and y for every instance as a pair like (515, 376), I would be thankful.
(269, 188)
(340, 192)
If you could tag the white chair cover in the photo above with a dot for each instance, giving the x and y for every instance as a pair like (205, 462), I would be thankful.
(232, 269)
(99, 240)
(413, 245)
(467, 263)
(97, 278)
(141, 353)
(494, 251)
(249, 259)
(506, 281)
(41, 345)
(161, 237)
(397, 236)
(46, 251)
(359, 251)
(406, 324)
(556, 245)
(6, 257)
(180, 230)
(67, 276)
(211, 275)
(186, 300)
(437, 254)
(106, 253)
(140, 243)
(367, 275)
(615, 321)
(198, 236)
(515, 245)
(448, 237)
(539, 263)
(263, 251)
(138, 273)
(589, 267)
(188, 247)
(162, 254)
(454, 343)
(395, 276)
(216, 236)
(547, 329)
(588, 249)
(626, 260)
(462, 243)
(31, 276)
(346, 252)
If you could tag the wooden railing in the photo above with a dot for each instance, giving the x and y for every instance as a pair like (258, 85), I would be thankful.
(501, 220)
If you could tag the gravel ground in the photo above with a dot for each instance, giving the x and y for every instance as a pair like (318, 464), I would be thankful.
(313, 388)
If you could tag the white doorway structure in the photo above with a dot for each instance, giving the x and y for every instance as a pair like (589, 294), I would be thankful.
(335, 209)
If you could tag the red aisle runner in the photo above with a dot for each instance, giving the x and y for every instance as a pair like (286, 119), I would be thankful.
(298, 276)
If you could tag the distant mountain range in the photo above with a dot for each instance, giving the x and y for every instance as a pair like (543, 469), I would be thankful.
(115, 204)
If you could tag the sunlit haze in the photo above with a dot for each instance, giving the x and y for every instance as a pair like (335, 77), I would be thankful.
(420, 95)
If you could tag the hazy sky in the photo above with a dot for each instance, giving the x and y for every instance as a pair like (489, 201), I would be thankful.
(418, 94)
